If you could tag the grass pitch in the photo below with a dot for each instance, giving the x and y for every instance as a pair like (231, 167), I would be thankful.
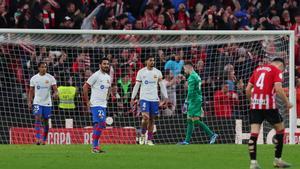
(140, 157)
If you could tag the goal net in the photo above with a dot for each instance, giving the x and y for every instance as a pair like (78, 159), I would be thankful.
(224, 61)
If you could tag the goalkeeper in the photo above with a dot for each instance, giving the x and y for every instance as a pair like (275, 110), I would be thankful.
(194, 106)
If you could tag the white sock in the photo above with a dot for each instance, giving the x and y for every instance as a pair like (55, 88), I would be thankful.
(253, 161)
(278, 159)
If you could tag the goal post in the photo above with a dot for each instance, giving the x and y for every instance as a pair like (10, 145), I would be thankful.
(220, 57)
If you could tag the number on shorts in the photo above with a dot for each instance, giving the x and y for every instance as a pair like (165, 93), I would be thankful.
(101, 113)
(36, 108)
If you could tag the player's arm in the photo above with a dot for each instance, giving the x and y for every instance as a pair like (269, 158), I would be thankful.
(108, 93)
(136, 87)
(54, 88)
(248, 90)
(55, 91)
(30, 97)
(192, 84)
(85, 94)
(163, 88)
(135, 90)
(280, 92)
(31, 93)
(249, 87)
(86, 87)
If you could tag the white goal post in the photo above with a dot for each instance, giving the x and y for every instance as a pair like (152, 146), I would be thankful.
(115, 40)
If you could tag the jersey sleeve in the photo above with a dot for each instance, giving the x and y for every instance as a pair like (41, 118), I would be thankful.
(139, 76)
(53, 81)
(32, 82)
(192, 82)
(160, 76)
(91, 80)
(277, 75)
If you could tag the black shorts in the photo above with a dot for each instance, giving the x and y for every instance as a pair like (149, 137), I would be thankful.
(258, 116)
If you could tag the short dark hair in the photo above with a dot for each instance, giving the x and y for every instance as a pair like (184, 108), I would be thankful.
(279, 60)
(102, 59)
(188, 63)
(42, 63)
(148, 57)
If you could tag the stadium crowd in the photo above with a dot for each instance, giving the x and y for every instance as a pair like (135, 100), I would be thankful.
(223, 89)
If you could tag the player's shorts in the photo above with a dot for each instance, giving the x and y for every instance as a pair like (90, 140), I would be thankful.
(194, 110)
(150, 107)
(272, 116)
(44, 111)
(98, 114)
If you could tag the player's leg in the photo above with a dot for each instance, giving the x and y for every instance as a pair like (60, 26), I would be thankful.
(145, 108)
(189, 131)
(46, 115)
(276, 120)
(190, 124)
(144, 126)
(99, 116)
(213, 136)
(256, 118)
(150, 131)
(153, 112)
(37, 112)
(194, 112)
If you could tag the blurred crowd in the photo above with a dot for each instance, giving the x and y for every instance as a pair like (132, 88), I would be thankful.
(224, 69)
(151, 14)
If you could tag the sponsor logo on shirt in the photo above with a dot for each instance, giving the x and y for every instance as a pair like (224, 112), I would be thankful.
(259, 101)
(41, 87)
(149, 82)
(102, 87)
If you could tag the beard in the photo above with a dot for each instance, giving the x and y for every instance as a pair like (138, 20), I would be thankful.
(105, 69)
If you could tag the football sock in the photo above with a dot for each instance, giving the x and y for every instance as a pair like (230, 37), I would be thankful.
(204, 127)
(189, 130)
(97, 130)
(46, 129)
(150, 135)
(252, 145)
(278, 141)
(37, 128)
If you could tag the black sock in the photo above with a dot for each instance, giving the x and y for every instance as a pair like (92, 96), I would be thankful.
(278, 141)
(252, 146)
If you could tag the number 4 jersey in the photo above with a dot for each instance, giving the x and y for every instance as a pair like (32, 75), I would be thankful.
(263, 80)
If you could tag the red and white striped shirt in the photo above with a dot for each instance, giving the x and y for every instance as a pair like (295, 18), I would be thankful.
(263, 80)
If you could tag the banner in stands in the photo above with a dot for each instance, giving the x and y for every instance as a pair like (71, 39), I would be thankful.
(74, 136)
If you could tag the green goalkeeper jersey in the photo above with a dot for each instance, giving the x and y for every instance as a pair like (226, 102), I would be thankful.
(194, 89)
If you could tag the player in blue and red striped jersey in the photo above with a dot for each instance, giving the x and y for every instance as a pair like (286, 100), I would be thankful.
(263, 87)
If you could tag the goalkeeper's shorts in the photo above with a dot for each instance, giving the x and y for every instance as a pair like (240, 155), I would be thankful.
(194, 110)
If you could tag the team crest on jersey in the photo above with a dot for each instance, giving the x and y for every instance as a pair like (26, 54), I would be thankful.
(46, 81)
(107, 81)
(155, 76)
(280, 76)
(144, 77)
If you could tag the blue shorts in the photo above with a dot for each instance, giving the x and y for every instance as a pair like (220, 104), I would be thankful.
(98, 114)
(150, 107)
(44, 111)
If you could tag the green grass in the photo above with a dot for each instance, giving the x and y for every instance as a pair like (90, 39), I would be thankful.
(139, 157)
